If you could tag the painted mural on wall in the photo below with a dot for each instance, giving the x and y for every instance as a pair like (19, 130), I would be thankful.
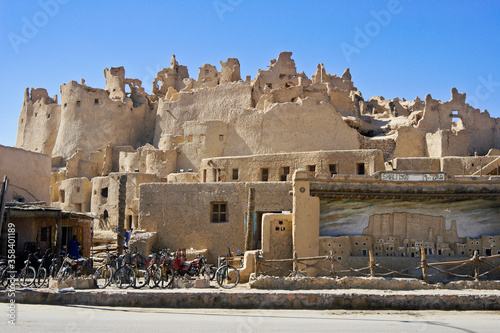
(350, 217)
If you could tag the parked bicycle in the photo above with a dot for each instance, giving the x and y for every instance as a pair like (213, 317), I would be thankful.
(4, 268)
(142, 274)
(104, 275)
(125, 275)
(41, 279)
(55, 262)
(227, 276)
(162, 273)
(27, 274)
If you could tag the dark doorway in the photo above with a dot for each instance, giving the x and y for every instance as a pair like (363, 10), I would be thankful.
(360, 169)
(67, 235)
(129, 223)
(257, 227)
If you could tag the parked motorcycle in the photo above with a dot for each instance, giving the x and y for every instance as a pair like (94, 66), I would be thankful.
(197, 267)
(74, 267)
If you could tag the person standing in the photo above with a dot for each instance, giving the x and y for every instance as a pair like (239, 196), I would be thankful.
(126, 237)
(74, 247)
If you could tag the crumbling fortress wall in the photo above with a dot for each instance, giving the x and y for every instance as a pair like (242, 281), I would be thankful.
(218, 114)
(39, 121)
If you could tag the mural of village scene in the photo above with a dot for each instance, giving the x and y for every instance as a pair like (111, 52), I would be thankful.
(443, 228)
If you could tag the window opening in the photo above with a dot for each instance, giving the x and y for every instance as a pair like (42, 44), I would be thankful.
(219, 212)
(265, 175)
(285, 171)
(333, 169)
(360, 169)
(45, 234)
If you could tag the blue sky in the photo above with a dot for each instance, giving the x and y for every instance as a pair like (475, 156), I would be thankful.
(394, 48)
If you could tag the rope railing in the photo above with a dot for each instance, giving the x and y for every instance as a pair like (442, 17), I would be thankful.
(476, 260)
(301, 265)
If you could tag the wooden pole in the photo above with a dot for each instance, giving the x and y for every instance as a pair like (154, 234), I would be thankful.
(332, 264)
(372, 264)
(4, 237)
(423, 263)
(249, 237)
(58, 236)
(3, 199)
(295, 263)
(122, 202)
(476, 265)
(257, 264)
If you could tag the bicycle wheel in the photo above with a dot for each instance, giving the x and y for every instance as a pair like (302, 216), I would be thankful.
(4, 281)
(209, 272)
(167, 277)
(227, 276)
(124, 277)
(41, 277)
(27, 276)
(153, 272)
(53, 271)
(141, 278)
(102, 276)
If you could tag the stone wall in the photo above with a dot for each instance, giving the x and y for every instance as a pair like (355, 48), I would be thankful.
(281, 167)
(28, 173)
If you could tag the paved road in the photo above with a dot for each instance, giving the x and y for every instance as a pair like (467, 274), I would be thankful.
(52, 318)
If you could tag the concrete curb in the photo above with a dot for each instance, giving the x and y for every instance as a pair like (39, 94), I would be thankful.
(276, 299)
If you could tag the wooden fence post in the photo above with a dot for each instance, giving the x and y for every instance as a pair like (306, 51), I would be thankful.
(423, 263)
(372, 264)
(295, 264)
(257, 264)
(332, 265)
(476, 265)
